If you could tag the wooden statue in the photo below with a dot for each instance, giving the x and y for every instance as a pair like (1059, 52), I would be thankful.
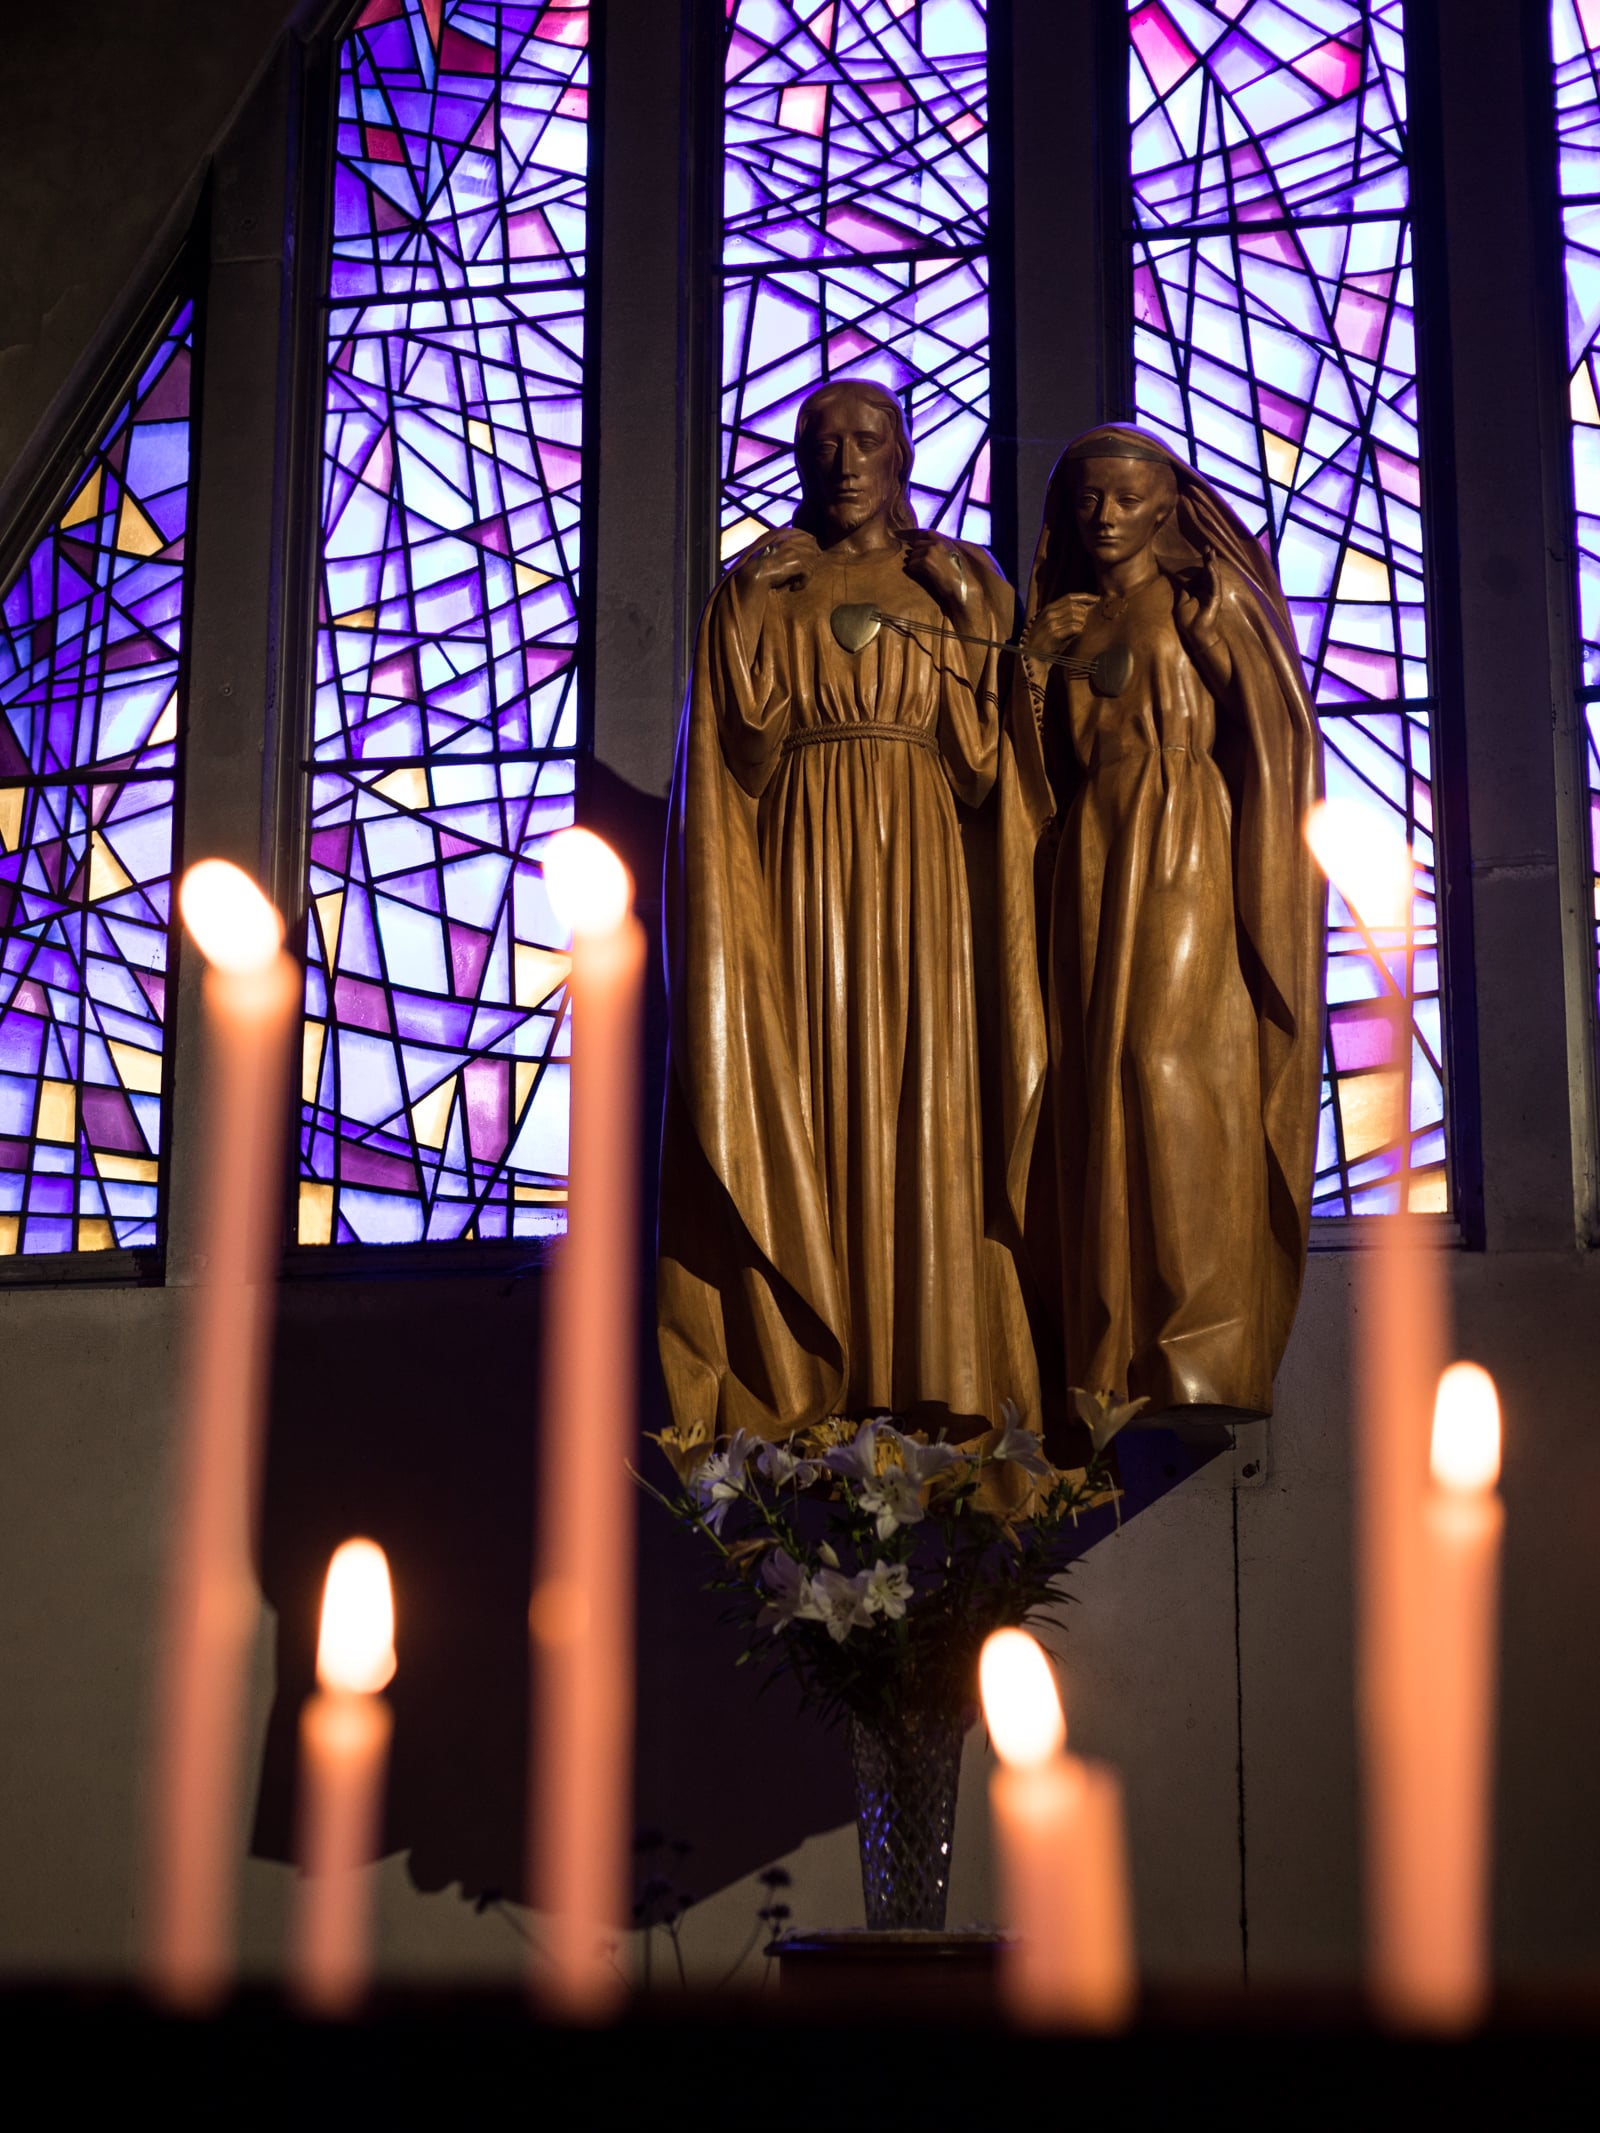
(830, 1237)
(1184, 947)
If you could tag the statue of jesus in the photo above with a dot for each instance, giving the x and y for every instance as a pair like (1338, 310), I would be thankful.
(832, 1239)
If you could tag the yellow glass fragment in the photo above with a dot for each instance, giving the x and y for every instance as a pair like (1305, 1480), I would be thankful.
(10, 1226)
(740, 536)
(480, 434)
(130, 1169)
(359, 618)
(1369, 1111)
(1428, 1193)
(166, 726)
(1362, 577)
(58, 1111)
(315, 1225)
(1283, 456)
(538, 972)
(430, 1118)
(408, 787)
(529, 580)
(1584, 408)
(11, 802)
(527, 1076)
(311, 1041)
(545, 1194)
(135, 534)
(86, 504)
(107, 875)
(95, 1235)
(139, 1069)
(330, 909)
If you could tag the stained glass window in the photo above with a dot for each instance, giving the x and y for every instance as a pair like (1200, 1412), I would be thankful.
(855, 185)
(1274, 347)
(90, 716)
(1575, 40)
(446, 712)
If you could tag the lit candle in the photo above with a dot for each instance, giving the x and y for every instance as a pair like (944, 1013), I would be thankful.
(582, 1610)
(1059, 1833)
(250, 996)
(1435, 1957)
(1400, 1346)
(344, 1751)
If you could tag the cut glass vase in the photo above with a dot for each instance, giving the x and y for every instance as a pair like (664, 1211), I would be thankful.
(907, 1775)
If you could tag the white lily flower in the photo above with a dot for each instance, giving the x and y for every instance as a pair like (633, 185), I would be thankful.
(858, 1460)
(719, 1480)
(886, 1589)
(894, 1499)
(792, 1599)
(841, 1602)
(777, 1464)
(1101, 1415)
(1022, 1447)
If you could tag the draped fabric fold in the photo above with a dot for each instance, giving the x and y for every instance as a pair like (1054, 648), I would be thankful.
(838, 1206)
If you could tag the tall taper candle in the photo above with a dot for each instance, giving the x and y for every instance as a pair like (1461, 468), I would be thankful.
(581, 1614)
(1063, 1867)
(250, 996)
(1400, 1345)
(344, 1752)
(1438, 1971)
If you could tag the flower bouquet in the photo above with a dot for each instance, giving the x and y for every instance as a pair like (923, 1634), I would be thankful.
(869, 1564)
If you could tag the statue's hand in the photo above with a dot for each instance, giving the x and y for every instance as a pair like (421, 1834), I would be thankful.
(940, 568)
(786, 558)
(1197, 610)
(1059, 625)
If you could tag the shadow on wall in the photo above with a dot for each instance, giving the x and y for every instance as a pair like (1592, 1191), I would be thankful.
(406, 1409)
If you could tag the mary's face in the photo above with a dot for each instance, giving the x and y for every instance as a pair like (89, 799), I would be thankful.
(847, 462)
(1121, 505)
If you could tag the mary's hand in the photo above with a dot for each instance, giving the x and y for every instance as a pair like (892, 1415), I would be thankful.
(1197, 610)
(1054, 628)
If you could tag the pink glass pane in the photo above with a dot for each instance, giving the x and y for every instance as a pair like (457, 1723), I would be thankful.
(446, 717)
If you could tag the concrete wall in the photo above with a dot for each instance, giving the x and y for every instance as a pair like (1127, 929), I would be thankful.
(1211, 1655)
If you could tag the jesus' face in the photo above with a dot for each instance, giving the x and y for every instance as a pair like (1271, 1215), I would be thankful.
(848, 463)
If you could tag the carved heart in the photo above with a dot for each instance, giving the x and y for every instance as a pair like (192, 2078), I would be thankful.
(1111, 671)
(855, 625)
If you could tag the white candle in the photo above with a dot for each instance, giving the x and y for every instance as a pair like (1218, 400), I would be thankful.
(344, 1752)
(250, 998)
(1400, 1344)
(1058, 1829)
(1436, 1969)
(582, 1610)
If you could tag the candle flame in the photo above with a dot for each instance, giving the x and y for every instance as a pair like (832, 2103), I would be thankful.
(232, 923)
(355, 1650)
(1365, 858)
(590, 889)
(1020, 1700)
(1465, 1456)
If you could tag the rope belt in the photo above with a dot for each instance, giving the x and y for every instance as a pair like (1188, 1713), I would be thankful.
(857, 729)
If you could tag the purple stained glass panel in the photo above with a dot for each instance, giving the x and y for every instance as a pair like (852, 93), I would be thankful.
(1274, 347)
(90, 723)
(855, 236)
(445, 718)
(1575, 46)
